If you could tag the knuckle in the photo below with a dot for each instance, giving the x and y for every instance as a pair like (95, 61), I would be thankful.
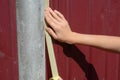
(61, 15)
(55, 37)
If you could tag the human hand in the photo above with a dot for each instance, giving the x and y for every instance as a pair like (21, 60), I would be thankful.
(59, 28)
(60, 79)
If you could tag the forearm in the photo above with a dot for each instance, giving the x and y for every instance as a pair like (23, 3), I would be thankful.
(100, 41)
(60, 30)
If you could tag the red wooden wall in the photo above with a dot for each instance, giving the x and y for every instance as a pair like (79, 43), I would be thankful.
(84, 62)
(8, 45)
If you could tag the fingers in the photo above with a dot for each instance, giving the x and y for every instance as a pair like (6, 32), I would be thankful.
(60, 79)
(50, 19)
(58, 24)
(55, 15)
(59, 14)
(51, 32)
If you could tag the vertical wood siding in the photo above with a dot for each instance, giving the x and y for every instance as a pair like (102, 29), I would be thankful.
(8, 42)
(84, 62)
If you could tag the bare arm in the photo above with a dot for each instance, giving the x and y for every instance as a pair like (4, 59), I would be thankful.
(99, 41)
(60, 30)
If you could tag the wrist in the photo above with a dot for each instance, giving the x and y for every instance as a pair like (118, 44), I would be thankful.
(72, 38)
(78, 38)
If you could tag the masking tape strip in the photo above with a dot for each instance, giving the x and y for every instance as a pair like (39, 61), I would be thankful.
(55, 75)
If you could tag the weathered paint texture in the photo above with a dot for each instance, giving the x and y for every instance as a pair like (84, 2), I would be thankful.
(91, 17)
(8, 41)
(30, 32)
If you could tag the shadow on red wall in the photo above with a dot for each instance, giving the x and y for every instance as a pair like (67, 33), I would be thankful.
(79, 58)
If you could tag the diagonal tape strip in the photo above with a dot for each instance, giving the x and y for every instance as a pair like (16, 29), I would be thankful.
(55, 74)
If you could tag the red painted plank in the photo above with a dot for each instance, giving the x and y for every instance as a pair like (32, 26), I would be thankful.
(95, 17)
(79, 19)
(98, 20)
(64, 64)
(8, 44)
(58, 49)
(113, 28)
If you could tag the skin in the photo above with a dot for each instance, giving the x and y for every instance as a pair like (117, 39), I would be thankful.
(60, 30)
(60, 79)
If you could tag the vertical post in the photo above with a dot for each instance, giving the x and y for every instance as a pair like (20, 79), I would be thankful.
(31, 48)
